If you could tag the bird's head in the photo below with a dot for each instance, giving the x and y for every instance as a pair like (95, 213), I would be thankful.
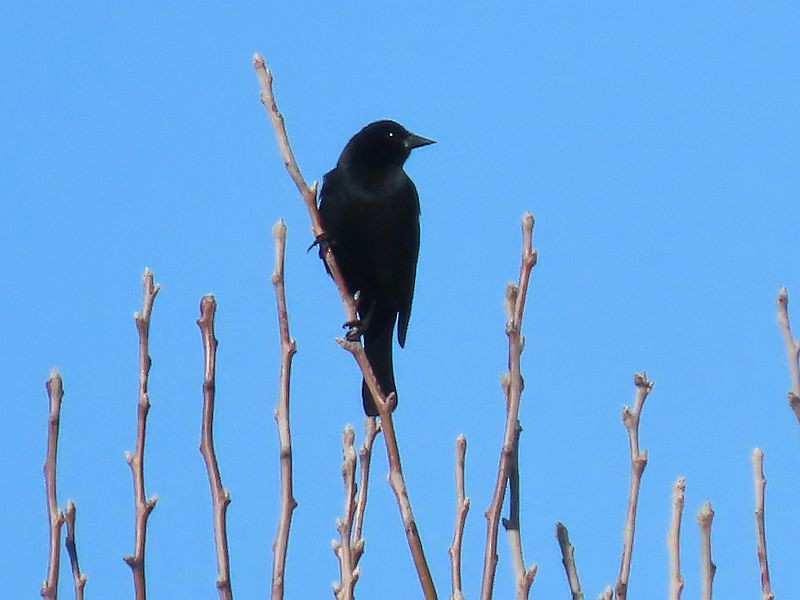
(382, 143)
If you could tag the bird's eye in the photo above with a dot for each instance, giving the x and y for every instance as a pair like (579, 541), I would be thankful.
(391, 134)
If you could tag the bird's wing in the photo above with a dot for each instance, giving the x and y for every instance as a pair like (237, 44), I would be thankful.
(411, 253)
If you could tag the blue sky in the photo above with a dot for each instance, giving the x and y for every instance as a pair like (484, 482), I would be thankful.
(657, 144)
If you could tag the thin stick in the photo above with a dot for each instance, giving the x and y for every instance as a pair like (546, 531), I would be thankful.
(674, 539)
(142, 506)
(371, 429)
(79, 579)
(607, 594)
(462, 508)
(384, 404)
(288, 349)
(348, 572)
(309, 194)
(760, 484)
(638, 462)
(55, 516)
(219, 495)
(512, 385)
(792, 350)
(707, 567)
(568, 559)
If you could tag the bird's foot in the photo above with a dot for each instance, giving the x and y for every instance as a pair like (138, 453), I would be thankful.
(355, 329)
(324, 241)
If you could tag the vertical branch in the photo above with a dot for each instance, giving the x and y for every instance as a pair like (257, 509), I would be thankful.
(792, 350)
(638, 462)
(516, 295)
(79, 579)
(348, 572)
(55, 516)
(309, 194)
(707, 567)
(760, 484)
(462, 508)
(219, 495)
(568, 559)
(288, 349)
(674, 539)
(142, 506)
(384, 404)
(371, 430)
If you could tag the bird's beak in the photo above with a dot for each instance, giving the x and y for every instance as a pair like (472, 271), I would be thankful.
(416, 141)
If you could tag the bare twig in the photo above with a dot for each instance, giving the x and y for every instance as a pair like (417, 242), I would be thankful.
(606, 594)
(55, 516)
(348, 572)
(516, 295)
(384, 404)
(630, 418)
(288, 349)
(792, 350)
(143, 506)
(462, 508)
(568, 559)
(371, 430)
(707, 567)
(760, 484)
(309, 193)
(79, 579)
(674, 539)
(219, 495)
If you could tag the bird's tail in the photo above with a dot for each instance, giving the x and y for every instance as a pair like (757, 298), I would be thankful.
(378, 348)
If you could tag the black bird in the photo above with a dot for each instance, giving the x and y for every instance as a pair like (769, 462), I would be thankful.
(370, 211)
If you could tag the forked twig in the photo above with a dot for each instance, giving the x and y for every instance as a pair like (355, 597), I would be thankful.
(78, 578)
(219, 495)
(288, 349)
(792, 350)
(371, 429)
(630, 418)
(674, 539)
(143, 506)
(384, 404)
(760, 484)
(516, 295)
(462, 508)
(568, 559)
(55, 516)
(705, 516)
(343, 548)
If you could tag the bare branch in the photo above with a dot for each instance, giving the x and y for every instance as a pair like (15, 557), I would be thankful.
(288, 349)
(348, 572)
(142, 505)
(792, 350)
(760, 484)
(55, 516)
(707, 567)
(516, 295)
(674, 539)
(79, 579)
(462, 508)
(384, 404)
(309, 193)
(219, 495)
(638, 462)
(568, 559)
(371, 430)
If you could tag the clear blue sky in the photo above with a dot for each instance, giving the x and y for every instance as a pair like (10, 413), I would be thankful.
(657, 145)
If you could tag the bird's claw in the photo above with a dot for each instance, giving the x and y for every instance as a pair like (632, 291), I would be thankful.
(324, 241)
(355, 329)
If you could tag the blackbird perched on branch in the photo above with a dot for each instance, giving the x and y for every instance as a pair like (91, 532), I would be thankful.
(370, 211)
